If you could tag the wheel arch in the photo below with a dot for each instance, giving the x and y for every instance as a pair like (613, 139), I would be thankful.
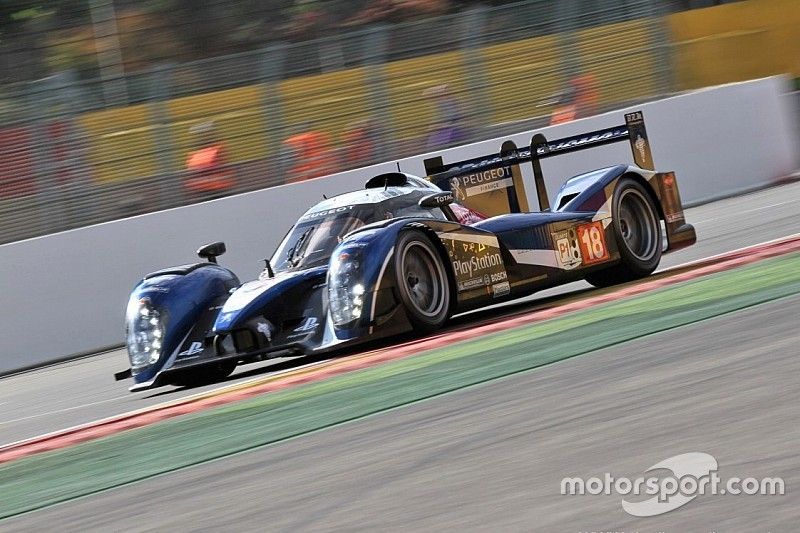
(442, 251)
(651, 193)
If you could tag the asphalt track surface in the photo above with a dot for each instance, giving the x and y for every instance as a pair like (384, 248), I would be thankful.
(492, 457)
(81, 391)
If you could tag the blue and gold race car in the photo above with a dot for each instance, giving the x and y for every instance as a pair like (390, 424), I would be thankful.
(406, 253)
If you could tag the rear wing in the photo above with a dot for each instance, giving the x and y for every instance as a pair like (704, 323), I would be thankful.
(492, 184)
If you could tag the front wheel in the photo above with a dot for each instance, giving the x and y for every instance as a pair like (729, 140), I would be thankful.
(638, 234)
(421, 281)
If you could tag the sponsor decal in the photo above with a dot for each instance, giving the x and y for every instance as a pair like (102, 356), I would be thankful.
(568, 251)
(476, 259)
(326, 212)
(640, 145)
(592, 239)
(498, 276)
(477, 183)
(441, 198)
(458, 192)
(486, 176)
(470, 284)
(637, 134)
(537, 257)
(491, 187)
(309, 324)
(488, 187)
(469, 241)
(264, 329)
(195, 348)
(477, 263)
(501, 289)
(580, 141)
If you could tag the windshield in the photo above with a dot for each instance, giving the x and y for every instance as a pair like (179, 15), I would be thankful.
(311, 241)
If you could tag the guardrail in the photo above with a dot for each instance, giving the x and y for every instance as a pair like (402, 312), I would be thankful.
(83, 151)
(79, 151)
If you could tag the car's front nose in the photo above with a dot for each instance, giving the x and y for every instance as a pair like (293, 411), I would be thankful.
(273, 313)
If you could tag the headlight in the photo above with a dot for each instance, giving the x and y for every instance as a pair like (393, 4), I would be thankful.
(345, 290)
(145, 334)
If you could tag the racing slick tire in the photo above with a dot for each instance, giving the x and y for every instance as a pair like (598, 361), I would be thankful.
(204, 375)
(422, 281)
(637, 229)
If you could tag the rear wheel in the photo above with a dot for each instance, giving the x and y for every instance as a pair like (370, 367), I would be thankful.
(204, 375)
(421, 281)
(638, 235)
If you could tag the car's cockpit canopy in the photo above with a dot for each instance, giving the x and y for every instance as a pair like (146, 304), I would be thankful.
(315, 235)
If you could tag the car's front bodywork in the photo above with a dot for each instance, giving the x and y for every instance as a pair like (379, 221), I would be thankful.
(168, 315)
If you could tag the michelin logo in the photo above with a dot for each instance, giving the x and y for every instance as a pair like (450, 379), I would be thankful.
(640, 145)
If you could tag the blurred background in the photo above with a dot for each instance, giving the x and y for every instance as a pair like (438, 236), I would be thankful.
(111, 108)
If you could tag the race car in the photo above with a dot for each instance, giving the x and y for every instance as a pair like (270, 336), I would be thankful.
(405, 254)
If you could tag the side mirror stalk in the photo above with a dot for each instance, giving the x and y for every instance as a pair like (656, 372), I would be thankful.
(268, 266)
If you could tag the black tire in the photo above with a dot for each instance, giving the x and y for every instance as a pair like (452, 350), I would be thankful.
(637, 229)
(422, 281)
(204, 375)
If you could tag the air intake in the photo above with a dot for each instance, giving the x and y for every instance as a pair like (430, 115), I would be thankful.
(390, 179)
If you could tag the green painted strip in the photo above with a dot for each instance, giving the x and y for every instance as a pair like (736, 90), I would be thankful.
(45, 479)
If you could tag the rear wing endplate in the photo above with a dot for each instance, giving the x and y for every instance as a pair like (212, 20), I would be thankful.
(492, 184)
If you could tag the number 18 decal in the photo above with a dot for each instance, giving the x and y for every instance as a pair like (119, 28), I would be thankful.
(593, 243)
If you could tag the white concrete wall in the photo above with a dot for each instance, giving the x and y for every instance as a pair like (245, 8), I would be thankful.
(719, 140)
(65, 293)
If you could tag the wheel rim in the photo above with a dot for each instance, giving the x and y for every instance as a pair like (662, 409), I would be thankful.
(638, 225)
(422, 279)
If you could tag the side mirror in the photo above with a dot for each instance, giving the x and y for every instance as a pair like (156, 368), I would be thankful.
(438, 199)
(211, 251)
